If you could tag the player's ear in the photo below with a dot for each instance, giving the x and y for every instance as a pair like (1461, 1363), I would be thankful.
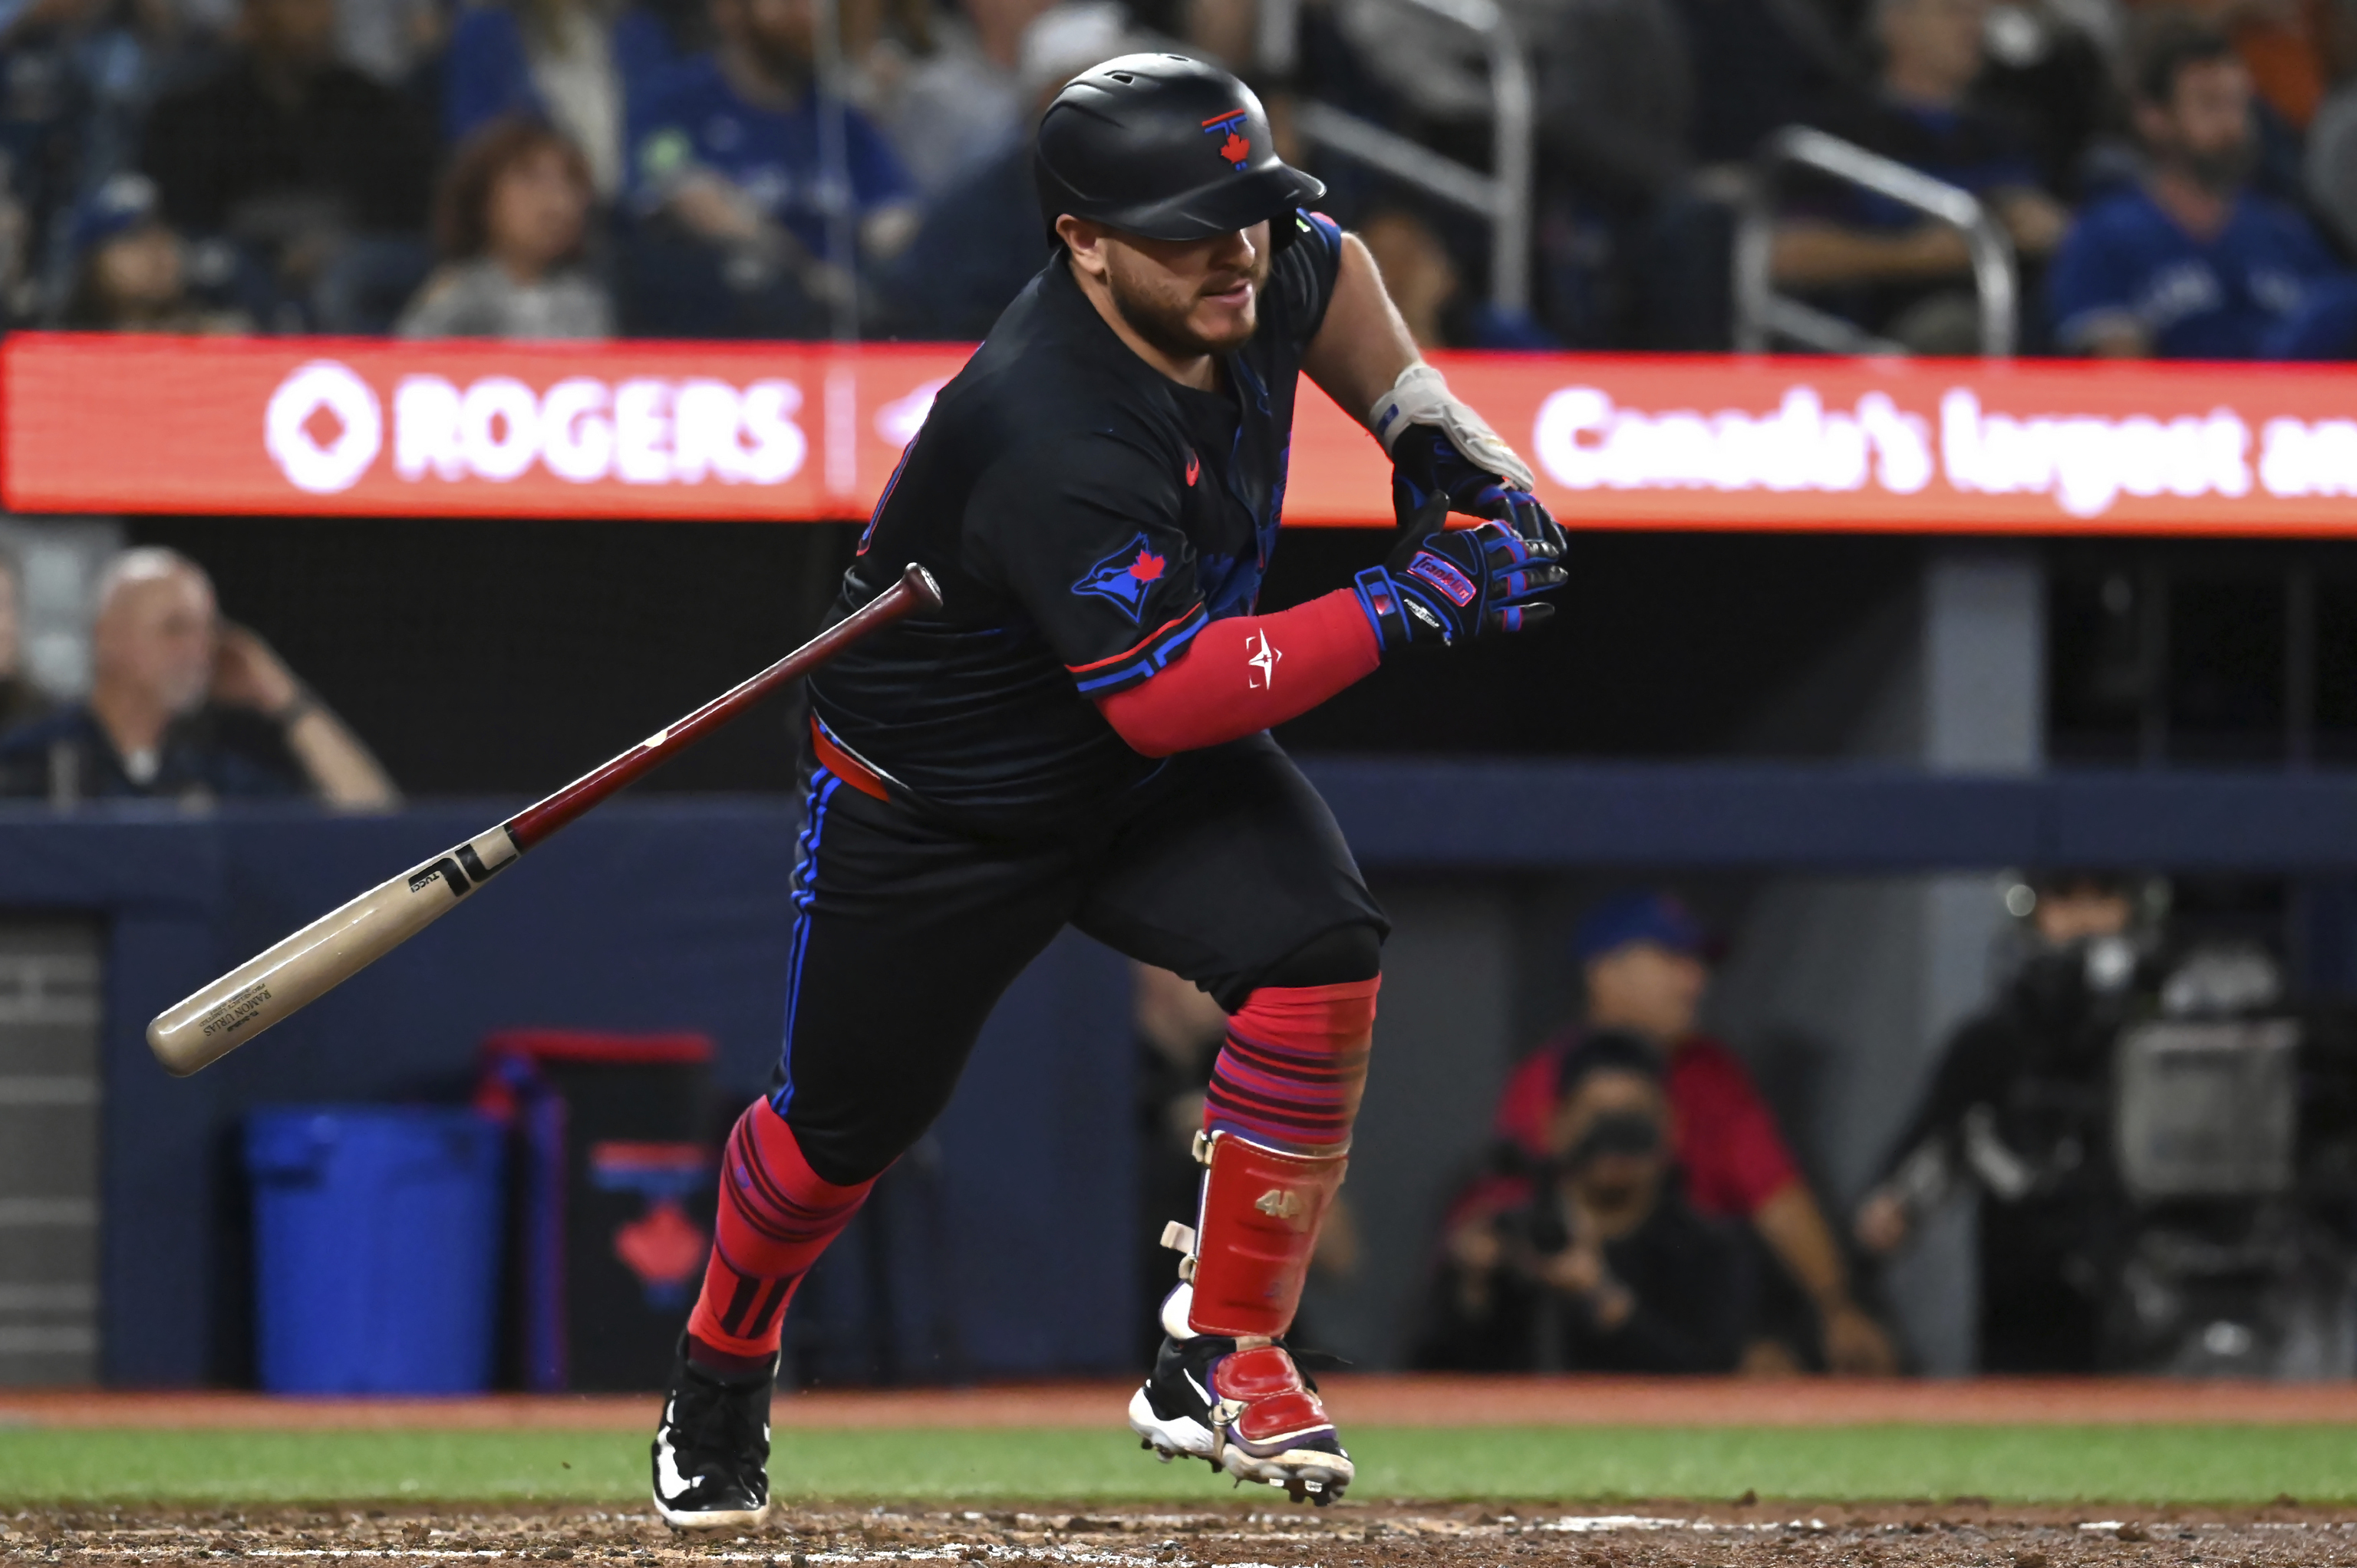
(1085, 241)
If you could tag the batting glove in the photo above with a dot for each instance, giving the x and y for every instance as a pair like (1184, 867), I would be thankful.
(1441, 447)
(1442, 586)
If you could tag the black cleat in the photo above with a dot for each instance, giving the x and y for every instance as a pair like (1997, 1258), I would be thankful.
(712, 1451)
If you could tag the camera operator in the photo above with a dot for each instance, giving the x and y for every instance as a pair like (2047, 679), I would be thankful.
(2021, 1106)
(1600, 1266)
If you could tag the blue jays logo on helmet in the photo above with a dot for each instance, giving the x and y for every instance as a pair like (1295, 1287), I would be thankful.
(1237, 147)
(1123, 577)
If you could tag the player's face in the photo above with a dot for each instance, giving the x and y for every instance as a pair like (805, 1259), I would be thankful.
(1189, 296)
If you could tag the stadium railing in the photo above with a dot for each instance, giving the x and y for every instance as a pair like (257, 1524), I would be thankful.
(1502, 196)
(1764, 317)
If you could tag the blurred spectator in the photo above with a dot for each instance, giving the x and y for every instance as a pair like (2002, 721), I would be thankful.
(1616, 96)
(2328, 172)
(20, 700)
(131, 271)
(980, 241)
(184, 707)
(1852, 240)
(389, 39)
(2018, 1108)
(305, 161)
(730, 177)
(2282, 42)
(1759, 66)
(2049, 76)
(76, 80)
(1641, 956)
(512, 218)
(1603, 1267)
(1424, 283)
(572, 63)
(1416, 272)
(1180, 1030)
(964, 97)
(2188, 263)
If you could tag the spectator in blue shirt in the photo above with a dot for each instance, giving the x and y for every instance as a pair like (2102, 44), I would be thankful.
(1900, 269)
(729, 179)
(2188, 263)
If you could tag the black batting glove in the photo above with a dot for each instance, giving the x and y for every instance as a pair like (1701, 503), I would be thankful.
(1443, 586)
(1426, 464)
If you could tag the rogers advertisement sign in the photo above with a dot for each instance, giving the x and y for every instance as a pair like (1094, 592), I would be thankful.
(800, 432)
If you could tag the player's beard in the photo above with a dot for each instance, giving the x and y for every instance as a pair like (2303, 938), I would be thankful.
(1160, 310)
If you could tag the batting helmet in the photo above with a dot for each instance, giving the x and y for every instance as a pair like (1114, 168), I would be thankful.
(1165, 147)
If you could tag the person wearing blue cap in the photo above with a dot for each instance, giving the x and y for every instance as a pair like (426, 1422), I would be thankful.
(1644, 960)
(131, 271)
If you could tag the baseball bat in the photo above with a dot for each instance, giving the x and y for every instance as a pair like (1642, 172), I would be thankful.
(208, 1025)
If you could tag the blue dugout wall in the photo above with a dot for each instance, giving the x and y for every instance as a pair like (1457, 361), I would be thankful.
(665, 913)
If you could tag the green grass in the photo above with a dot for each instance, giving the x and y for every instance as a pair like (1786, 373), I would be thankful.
(2112, 1464)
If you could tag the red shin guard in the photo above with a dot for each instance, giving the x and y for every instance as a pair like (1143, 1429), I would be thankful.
(775, 1217)
(1283, 1095)
(1255, 1233)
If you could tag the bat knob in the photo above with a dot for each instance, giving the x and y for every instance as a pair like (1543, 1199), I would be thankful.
(920, 585)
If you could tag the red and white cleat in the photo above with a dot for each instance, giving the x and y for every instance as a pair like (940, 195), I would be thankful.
(1249, 1413)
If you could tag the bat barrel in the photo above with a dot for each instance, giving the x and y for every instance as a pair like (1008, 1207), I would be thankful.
(201, 1028)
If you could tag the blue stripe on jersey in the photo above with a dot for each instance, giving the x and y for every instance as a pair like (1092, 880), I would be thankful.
(1150, 660)
(824, 785)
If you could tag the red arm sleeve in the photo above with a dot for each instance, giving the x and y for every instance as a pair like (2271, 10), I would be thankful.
(1244, 673)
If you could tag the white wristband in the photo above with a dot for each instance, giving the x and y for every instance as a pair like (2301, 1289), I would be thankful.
(1421, 396)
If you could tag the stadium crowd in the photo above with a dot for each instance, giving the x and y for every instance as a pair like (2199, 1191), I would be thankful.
(2179, 183)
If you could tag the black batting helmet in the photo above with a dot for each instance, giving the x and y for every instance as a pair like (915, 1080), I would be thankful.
(1165, 147)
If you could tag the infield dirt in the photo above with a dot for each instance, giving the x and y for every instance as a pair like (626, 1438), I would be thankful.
(1350, 1535)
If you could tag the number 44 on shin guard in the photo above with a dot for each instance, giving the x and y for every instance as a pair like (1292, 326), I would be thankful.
(1225, 1389)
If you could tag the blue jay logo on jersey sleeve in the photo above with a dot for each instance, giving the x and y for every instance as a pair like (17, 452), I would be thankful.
(1123, 577)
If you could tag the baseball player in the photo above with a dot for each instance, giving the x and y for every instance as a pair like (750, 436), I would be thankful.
(1078, 737)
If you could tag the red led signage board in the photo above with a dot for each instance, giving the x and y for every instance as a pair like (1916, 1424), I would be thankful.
(800, 432)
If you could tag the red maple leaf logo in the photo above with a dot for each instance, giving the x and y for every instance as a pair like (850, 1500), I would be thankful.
(1194, 469)
(1235, 149)
(663, 1246)
(1147, 568)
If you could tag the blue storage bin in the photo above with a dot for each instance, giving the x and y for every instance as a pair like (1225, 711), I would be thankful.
(376, 1241)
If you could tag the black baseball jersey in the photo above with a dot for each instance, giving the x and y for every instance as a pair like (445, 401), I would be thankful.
(1085, 516)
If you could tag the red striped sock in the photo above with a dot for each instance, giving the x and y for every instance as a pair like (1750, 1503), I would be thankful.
(1294, 1064)
(775, 1217)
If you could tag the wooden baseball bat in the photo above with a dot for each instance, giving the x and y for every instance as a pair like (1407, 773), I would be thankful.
(207, 1025)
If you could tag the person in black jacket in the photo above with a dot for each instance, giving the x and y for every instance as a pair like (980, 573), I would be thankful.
(1604, 1269)
(2020, 1108)
(288, 151)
